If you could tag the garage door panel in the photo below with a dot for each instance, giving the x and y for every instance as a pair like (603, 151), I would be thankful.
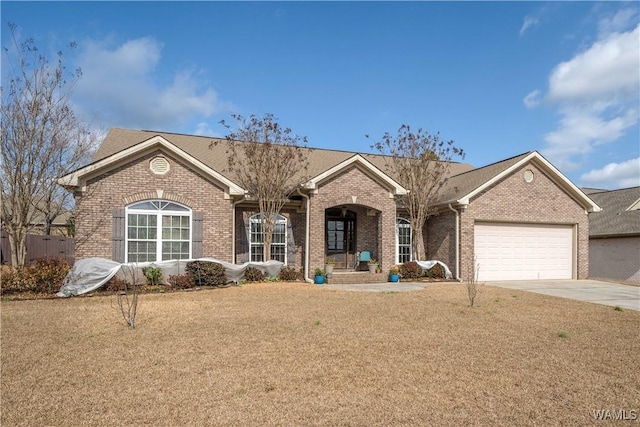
(523, 251)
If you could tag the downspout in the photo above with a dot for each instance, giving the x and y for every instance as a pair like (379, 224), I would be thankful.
(457, 242)
(233, 229)
(306, 239)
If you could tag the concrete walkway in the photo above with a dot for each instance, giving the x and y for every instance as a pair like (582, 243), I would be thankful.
(380, 287)
(612, 294)
(623, 296)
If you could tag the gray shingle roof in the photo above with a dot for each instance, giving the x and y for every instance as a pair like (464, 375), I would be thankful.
(215, 156)
(615, 218)
(464, 183)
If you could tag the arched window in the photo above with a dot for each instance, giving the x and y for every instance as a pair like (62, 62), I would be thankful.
(278, 244)
(403, 241)
(157, 230)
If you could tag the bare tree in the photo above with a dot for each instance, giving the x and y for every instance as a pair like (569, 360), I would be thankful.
(41, 139)
(473, 287)
(127, 295)
(420, 162)
(270, 162)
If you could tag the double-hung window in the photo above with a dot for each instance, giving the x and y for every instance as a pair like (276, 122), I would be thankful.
(278, 243)
(403, 241)
(158, 230)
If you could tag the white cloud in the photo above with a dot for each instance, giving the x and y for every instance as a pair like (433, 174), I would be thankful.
(204, 129)
(622, 20)
(121, 87)
(595, 94)
(607, 71)
(532, 100)
(614, 175)
(529, 21)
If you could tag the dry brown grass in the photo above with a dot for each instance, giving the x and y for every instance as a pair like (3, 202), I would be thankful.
(295, 354)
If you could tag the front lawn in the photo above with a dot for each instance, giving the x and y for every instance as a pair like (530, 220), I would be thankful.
(297, 354)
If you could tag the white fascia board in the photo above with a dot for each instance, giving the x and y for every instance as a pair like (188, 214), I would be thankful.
(313, 183)
(73, 179)
(536, 158)
(634, 206)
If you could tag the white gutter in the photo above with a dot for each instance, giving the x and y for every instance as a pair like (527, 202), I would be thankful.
(457, 242)
(233, 229)
(306, 239)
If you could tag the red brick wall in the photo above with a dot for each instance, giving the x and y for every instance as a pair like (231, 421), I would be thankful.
(515, 200)
(440, 238)
(375, 230)
(295, 234)
(133, 182)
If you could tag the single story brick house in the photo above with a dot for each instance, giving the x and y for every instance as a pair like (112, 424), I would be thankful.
(614, 235)
(157, 195)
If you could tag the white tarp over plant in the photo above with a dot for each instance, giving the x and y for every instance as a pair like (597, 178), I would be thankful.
(427, 265)
(91, 273)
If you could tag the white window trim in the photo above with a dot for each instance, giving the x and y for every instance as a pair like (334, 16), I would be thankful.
(256, 219)
(403, 221)
(159, 213)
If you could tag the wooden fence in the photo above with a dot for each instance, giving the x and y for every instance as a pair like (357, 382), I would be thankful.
(39, 246)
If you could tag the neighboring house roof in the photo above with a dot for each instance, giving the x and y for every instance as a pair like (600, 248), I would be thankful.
(620, 215)
(459, 189)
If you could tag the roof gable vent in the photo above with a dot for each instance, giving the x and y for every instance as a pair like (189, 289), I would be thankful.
(159, 165)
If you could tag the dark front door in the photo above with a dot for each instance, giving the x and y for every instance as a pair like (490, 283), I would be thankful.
(341, 237)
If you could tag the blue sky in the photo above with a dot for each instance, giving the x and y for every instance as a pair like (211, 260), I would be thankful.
(499, 78)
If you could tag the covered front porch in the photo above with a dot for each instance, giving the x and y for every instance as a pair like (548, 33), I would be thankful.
(350, 230)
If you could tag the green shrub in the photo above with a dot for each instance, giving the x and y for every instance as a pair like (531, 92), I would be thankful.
(205, 273)
(180, 281)
(410, 270)
(252, 274)
(153, 275)
(42, 276)
(290, 274)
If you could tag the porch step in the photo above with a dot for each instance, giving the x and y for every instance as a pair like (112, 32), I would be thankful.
(355, 277)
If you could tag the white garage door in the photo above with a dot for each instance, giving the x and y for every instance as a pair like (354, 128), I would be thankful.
(523, 251)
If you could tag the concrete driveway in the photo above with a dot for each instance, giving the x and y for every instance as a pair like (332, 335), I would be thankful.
(626, 297)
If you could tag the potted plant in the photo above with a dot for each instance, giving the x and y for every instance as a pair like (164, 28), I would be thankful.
(394, 274)
(318, 278)
(373, 265)
(328, 266)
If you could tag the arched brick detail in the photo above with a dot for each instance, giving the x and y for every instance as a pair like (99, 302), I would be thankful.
(157, 194)
(375, 209)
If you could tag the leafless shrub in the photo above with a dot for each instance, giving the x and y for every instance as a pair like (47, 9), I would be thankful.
(473, 287)
(127, 295)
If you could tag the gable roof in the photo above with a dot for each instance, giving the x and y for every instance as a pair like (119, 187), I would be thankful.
(363, 164)
(459, 189)
(210, 155)
(119, 143)
(620, 213)
(131, 151)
